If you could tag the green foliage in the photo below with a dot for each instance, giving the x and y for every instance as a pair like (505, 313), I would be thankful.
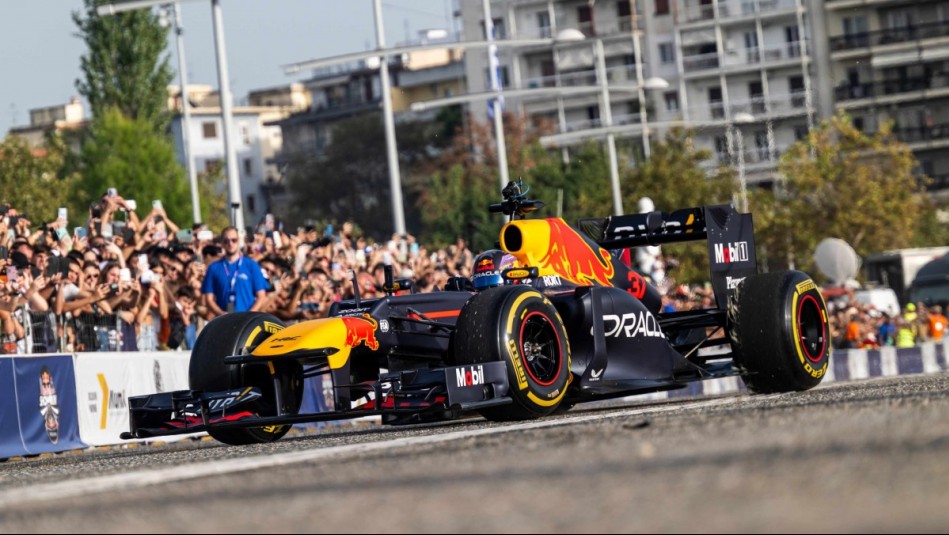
(842, 183)
(125, 66)
(31, 180)
(126, 154)
(456, 204)
(212, 190)
(674, 177)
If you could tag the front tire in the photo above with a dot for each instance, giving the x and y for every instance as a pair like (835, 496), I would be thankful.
(520, 326)
(232, 334)
(779, 332)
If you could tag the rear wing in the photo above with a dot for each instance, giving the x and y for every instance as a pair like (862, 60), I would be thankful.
(730, 237)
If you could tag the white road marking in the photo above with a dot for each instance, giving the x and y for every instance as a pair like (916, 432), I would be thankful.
(144, 478)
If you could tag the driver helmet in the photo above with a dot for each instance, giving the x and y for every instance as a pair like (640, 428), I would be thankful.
(486, 272)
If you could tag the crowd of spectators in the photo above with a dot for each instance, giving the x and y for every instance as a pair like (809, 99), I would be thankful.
(856, 325)
(121, 282)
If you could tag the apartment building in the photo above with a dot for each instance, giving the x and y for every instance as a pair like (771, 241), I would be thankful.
(889, 61)
(714, 65)
(343, 90)
(60, 118)
(256, 139)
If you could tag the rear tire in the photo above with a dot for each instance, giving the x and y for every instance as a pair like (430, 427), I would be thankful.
(779, 331)
(230, 335)
(517, 325)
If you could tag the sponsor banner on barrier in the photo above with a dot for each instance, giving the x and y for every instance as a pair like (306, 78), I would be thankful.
(10, 443)
(46, 403)
(105, 381)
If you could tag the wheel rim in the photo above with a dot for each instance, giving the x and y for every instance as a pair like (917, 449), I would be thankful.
(811, 328)
(540, 348)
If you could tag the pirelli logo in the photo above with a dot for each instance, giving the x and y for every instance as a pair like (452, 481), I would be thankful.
(272, 327)
(805, 286)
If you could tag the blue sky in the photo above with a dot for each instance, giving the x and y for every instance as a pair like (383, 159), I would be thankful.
(39, 49)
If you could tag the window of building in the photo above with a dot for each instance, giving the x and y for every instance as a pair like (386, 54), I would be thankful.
(662, 7)
(503, 77)
(667, 53)
(585, 20)
(672, 100)
(593, 114)
(499, 30)
(248, 166)
(715, 102)
(800, 132)
(756, 92)
(792, 36)
(245, 133)
(211, 165)
(252, 203)
(721, 148)
(798, 94)
(209, 130)
(543, 23)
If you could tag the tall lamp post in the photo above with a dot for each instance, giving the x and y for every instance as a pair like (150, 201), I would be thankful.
(186, 114)
(494, 72)
(227, 117)
(739, 119)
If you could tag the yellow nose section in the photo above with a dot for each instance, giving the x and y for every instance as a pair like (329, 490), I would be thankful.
(342, 334)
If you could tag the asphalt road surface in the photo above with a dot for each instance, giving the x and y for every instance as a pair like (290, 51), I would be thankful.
(870, 456)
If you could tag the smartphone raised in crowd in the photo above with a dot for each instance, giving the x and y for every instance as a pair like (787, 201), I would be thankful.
(156, 203)
(62, 214)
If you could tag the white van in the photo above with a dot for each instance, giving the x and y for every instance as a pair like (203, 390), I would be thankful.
(882, 299)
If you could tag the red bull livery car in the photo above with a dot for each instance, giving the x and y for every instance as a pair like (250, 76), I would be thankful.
(566, 323)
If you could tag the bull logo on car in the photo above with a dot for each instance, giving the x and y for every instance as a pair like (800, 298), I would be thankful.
(571, 257)
(361, 330)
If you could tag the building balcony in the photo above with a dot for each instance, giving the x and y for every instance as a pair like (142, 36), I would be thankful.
(890, 87)
(743, 58)
(917, 134)
(890, 36)
(732, 9)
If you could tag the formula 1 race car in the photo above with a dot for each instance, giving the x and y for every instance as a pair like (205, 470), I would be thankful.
(565, 323)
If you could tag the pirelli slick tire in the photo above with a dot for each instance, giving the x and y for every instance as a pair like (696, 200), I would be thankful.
(232, 334)
(517, 325)
(779, 332)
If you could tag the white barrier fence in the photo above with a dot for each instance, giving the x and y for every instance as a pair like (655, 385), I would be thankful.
(61, 402)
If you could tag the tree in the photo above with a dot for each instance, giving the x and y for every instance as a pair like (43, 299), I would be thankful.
(674, 177)
(31, 180)
(125, 66)
(841, 182)
(455, 188)
(213, 193)
(126, 154)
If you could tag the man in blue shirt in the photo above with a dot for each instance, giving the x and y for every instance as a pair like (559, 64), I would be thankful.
(234, 283)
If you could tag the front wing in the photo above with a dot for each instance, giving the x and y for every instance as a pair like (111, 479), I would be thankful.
(399, 397)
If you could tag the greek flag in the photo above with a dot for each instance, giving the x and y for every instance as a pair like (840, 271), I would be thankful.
(494, 69)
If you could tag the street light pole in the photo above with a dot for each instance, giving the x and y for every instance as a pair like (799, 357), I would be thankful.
(227, 114)
(233, 177)
(741, 118)
(186, 117)
(607, 114)
(395, 180)
(493, 67)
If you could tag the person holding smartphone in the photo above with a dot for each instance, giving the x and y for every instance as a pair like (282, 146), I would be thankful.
(234, 283)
